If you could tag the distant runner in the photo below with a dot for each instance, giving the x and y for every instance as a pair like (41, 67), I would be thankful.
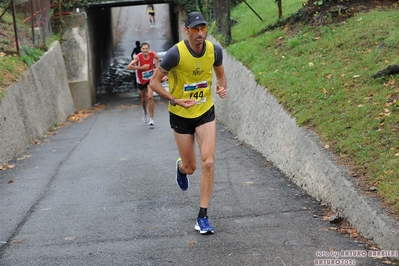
(151, 14)
(143, 63)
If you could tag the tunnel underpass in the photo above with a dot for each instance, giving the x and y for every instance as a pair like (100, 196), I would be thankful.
(111, 46)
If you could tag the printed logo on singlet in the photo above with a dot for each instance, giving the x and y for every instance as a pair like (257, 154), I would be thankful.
(197, 71)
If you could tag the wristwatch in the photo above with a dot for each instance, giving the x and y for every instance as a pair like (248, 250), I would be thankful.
(172, 102)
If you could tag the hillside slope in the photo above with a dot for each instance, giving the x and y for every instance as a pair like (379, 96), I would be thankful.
(319, 63)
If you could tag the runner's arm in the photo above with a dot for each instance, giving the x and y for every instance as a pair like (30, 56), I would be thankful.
(133, 64)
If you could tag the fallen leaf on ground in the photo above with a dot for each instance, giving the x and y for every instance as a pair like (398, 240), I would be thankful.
(79, 115)
(327, 229)
(23, 157)
(128, 107)
(7, 166)
(19, 241)
(191, 243)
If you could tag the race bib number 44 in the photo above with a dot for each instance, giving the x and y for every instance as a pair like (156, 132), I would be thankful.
(196, 91)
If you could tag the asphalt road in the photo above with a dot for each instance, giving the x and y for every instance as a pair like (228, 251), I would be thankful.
(103, 192)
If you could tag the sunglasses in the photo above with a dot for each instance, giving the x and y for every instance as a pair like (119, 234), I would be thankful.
(198, 29)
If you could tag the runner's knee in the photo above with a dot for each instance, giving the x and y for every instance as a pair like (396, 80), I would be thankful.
(208, 164)
(190, 169)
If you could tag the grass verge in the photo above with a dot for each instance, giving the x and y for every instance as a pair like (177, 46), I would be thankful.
(322, 76)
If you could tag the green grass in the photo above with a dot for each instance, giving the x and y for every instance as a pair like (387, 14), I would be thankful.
(31, 55)
(322, 76)
(11, 67)
(249, 24)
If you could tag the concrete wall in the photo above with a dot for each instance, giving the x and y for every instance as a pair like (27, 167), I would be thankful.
(75, 48)
(88, 46)
(115, 12)
(33, 104)
(254, 115)
(178, 17)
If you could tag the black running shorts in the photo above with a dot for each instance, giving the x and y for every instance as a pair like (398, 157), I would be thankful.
(187, 125)
(143, 86)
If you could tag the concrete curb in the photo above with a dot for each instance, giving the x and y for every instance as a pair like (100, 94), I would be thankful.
(255, 116)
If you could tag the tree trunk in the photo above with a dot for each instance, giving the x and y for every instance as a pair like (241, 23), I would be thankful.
(280, 9)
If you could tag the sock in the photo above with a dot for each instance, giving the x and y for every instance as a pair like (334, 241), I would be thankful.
(202, 212)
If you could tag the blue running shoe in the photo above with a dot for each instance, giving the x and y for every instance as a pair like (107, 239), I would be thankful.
(203, 226)
(181, 179)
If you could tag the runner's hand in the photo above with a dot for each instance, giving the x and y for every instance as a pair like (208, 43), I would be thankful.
(221, 91)
(186, 103)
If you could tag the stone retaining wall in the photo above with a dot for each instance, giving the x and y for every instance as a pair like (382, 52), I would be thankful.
(32, 105)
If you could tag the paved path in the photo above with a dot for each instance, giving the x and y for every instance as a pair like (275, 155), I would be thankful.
(102, 192)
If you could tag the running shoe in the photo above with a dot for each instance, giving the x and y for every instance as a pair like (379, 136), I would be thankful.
(144, 117)
(151, 124)
(181, 179)
(203, 226)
